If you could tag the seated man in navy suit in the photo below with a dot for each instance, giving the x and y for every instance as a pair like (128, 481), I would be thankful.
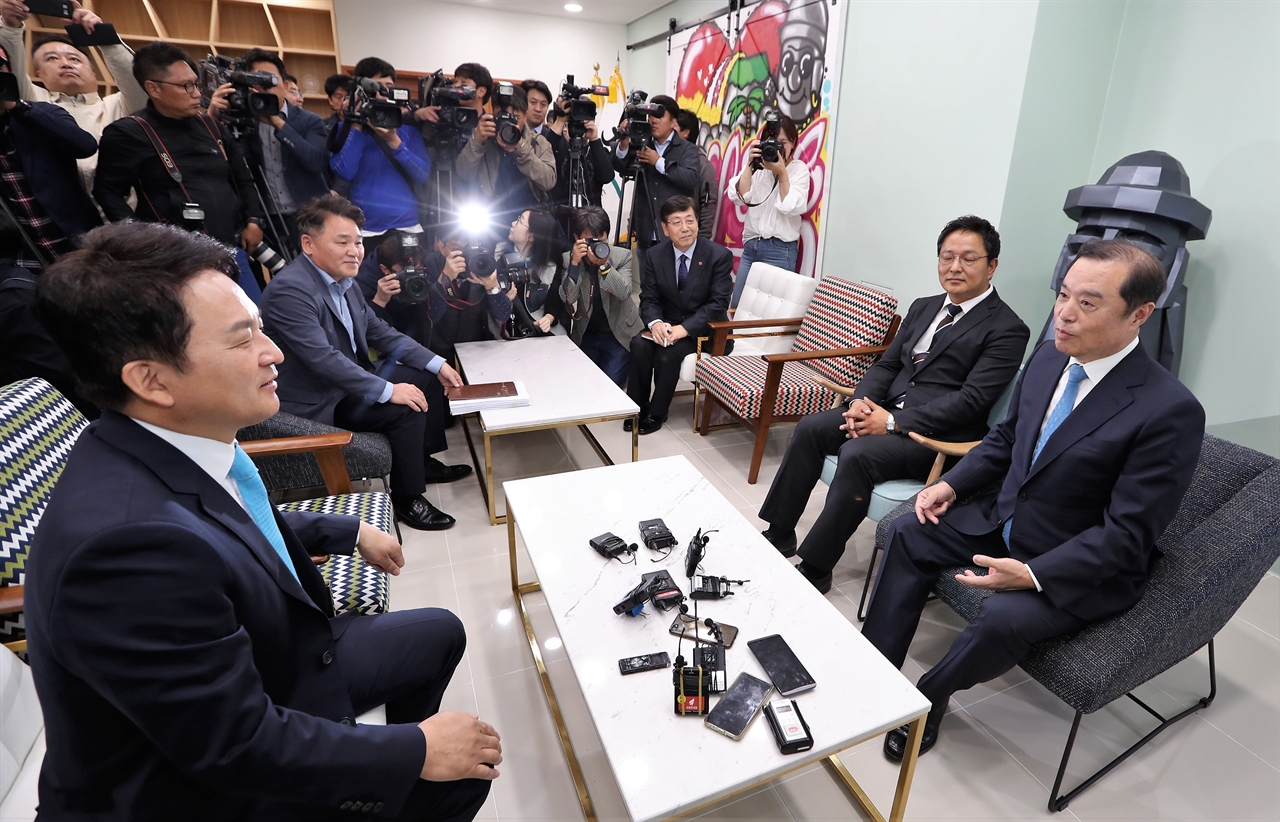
(1087, 471)
(684, 287)
(185, 650)
(326, 330)
(952, 358)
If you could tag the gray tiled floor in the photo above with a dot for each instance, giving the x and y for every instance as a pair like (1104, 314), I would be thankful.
(999, 748)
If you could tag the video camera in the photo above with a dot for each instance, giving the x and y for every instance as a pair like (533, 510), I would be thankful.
(770, 148)
(243, 104)
(637, 114)
(415, 287)
(364, 105)
(456, 120)
(582, 109)
(504, 119)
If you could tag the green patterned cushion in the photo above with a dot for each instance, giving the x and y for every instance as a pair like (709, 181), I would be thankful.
(355, 585)
(37, 429)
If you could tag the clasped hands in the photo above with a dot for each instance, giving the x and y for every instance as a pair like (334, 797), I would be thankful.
(1003, 573)
(864, 419)
(665, 334)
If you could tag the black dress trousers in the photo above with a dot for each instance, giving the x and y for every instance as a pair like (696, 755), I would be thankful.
(657, 366)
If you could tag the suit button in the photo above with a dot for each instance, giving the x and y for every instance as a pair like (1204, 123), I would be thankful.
(346, 720)
(377, 807)
(911, 384)
(326, 657)
(1022, 497)
(368, 807)
(345, 806)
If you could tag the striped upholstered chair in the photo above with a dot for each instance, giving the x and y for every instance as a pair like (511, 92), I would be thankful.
(38, 426)
(845, 329)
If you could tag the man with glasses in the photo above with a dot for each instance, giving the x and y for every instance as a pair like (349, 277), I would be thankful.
(211, 173)
(951, 360)
(684, 287)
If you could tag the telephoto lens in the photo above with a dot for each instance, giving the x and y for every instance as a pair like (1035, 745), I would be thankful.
(268, 258)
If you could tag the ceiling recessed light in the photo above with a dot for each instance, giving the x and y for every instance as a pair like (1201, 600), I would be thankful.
(572, 7)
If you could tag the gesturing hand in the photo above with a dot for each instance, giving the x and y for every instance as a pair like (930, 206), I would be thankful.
(934, 501)
(404, 393)
(1003, 574)
(460, 746)
(380, 549)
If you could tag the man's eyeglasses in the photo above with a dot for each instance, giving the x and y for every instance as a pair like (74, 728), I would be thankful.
(949, 257)
(678, 223)
(189, 88)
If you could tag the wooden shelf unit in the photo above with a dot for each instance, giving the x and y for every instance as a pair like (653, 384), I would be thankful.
(303, 32)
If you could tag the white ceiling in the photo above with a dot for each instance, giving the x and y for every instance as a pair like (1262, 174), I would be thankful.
(599, 11)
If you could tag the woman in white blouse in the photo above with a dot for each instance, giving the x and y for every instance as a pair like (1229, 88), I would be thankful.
(776, 197)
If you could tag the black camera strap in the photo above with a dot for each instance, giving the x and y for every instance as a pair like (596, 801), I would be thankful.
(386, 149)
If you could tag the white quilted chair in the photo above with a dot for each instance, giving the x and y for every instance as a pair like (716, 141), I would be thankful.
(21, 740)
(771, 293)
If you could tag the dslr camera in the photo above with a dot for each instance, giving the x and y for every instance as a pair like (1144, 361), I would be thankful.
(456, 121)
(415, 287)
(243, 104)
(379, 107)
(504, 119)
(770, 148)
(482, 260)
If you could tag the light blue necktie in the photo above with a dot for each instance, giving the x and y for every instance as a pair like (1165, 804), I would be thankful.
(1060, 411)
(254, 494)
(344, 313)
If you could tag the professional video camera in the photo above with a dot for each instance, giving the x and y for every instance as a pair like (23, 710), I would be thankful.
(363, 106)
(637, 114)
(243, 104)
(504, 119)
(415, 287)
(582, 110)
(770, 148)
(455, 120)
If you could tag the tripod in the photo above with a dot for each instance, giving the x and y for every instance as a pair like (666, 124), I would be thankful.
(240, 131)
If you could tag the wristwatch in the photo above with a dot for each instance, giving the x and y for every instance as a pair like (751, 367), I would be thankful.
(493, 292)
(890, 425)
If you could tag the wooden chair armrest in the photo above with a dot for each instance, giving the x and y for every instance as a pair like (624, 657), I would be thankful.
(11, 599)
(950, 449)
(829, 385)
(327, 449)
(799, 356)
(766, 323)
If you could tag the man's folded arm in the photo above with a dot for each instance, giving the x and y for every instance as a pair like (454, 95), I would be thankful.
(143, 614)
(324, 533)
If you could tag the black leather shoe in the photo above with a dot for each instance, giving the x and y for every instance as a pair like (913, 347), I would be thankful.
(784, 541)
(423, 516)
(820, 579)
(895, 742)
(627, 425)
(648, 425)
(437, 471)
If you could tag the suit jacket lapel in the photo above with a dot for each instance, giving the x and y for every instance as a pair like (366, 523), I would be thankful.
(358, 324)
(980, 313)
(921, 325)
(697, 267)
(1105, 400)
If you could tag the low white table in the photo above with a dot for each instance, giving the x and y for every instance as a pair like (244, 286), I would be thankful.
(565, 389)
(859, 695)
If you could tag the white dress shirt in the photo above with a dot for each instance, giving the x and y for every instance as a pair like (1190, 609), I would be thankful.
(213, 456)
(926, 339)
(770, 215)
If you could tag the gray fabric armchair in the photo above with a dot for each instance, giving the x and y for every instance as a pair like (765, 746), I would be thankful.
(1224, 538)
(367, 457)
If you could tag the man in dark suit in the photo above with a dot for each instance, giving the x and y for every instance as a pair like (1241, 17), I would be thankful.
(1089, 468)
(684, 287)
(326, 330)
(667, 168)
(950, 361)
(185, 651)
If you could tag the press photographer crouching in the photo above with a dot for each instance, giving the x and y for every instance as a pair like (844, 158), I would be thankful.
(774, 187)
(512, 168)
(286, 151)
(206, 186)
(597, 293)
(536, 307)
(382, 157)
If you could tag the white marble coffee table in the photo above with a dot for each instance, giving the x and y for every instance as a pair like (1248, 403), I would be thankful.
(565, 389)
(859, 695)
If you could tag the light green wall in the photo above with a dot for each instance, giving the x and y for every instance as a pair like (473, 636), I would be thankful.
(647, 67)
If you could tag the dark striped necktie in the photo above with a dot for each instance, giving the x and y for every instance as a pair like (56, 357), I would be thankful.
(944, 325)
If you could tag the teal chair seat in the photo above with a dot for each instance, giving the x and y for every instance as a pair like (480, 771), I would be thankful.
(884, 497)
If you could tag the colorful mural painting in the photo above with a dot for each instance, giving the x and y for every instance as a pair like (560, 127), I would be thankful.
(785, 58)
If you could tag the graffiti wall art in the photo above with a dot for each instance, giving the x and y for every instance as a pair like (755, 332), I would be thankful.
(784, 57)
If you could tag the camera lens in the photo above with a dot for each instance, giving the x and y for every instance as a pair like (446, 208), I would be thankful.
(268, 257)
(599, 249)
(509, 134)
(769, 151)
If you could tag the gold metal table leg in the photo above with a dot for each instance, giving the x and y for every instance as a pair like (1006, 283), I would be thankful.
(905, 774)
(494, 519)
(575, 770)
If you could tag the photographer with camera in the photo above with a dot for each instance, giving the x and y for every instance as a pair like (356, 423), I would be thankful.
(537, 309)
(513, 168)
(288, 149)
(384, 160)
(688, 127)
(206, 184)
(40, 186)
(774, 187)
(596, 290)
(663, 163)
(581, 151)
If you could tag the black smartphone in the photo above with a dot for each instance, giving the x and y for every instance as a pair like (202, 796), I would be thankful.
(778, 661)
(104, 34)
(646, 662)
(51, 8)
(739, 705)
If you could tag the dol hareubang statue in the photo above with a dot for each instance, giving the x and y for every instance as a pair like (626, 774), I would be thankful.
(1146, 199)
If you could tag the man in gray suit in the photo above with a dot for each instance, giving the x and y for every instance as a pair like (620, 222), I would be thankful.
(597, 292)
(326, 329)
